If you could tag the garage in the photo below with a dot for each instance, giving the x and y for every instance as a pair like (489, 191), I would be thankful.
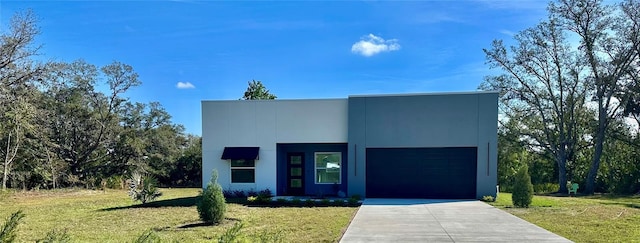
(439, 173)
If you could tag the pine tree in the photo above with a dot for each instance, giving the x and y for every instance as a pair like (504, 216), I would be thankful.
(522, 188)
(212, 205)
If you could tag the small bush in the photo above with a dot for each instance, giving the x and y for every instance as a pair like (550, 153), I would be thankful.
(239, 194)
(546, 188)
(232, 234)
(148, 236)
(337, 202)
(296, 201)
(143, 188)
(309, 203)
(212, 205)
(488, 199)
(252, 200)
(352, 201)
(227, 194)
(357, 197)
(114, 182)
(265, 193)
(325, 202)
(10, 227)
(282, 201)
(252, 193)
(56, 236)
(522, 188)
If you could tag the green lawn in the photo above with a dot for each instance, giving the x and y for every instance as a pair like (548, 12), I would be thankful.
(111, 216)
(582, 219)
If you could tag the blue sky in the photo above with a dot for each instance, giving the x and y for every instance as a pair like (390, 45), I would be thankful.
(189, 51)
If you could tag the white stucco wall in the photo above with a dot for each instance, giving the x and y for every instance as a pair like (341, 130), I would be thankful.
(265, 123)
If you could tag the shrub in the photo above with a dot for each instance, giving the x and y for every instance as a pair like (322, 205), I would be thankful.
(212, 205)
(337, 202)
(10, 227)
(522, 188)
(56, 236)
(352, 201)
(357, 197)
(232, 234)
(149, 236)
(546, 188)
(488, 199)
(325, 202)
(282, 201)
(252, 200)
(239, 193)
(227, 194)
(252, 193)
(265, 193)
(309, 203)
(296, 201)
(114, 182)
(143, 188)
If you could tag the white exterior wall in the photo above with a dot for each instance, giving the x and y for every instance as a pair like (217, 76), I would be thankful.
(265, 123)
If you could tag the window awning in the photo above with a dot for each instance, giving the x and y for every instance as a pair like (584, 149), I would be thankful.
(240, 153)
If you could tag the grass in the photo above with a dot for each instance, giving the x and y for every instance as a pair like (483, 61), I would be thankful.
(111, 216)
(597, 218)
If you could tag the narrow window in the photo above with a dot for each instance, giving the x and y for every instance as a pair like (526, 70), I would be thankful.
(328, 167)
(243, 171)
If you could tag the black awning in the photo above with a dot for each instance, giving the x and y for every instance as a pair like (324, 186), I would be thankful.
(240, 153)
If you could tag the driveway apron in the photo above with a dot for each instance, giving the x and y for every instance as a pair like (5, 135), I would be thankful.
(430, 220)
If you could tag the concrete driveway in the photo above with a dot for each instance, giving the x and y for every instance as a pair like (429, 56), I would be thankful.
(427, 220)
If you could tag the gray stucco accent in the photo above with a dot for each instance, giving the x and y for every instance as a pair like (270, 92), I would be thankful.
(423, 121)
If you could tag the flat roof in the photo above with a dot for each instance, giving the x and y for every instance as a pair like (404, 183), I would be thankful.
(430, 93)
(370, 95)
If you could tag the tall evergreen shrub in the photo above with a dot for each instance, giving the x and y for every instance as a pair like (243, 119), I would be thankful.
(212, 205)
(522, 188)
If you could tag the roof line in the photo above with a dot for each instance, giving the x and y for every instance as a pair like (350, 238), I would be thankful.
(431, 93)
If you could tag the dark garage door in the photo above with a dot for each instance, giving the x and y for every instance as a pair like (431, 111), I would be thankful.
(447, 173)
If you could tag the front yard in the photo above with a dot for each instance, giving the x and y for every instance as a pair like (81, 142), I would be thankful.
(111, 216)
(582, 219)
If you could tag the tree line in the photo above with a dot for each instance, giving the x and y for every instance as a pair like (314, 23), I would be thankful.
(58, 129)
(570, 97)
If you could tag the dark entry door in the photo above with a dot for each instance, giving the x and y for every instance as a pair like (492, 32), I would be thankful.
(448, 173)
(295, 173)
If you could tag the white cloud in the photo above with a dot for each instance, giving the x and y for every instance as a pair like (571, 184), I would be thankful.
(507, 32)
(184, 85)
(370, 45)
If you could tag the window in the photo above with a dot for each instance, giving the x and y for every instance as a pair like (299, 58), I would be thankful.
(243, 171)
(328, 166)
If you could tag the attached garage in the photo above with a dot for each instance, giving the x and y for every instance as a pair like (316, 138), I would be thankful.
(445, 173)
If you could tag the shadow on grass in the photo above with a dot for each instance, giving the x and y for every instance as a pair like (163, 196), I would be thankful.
(626, 204)
(175, 202)
(203, 224)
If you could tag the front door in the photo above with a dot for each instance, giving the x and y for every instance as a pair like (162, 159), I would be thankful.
(295, 173)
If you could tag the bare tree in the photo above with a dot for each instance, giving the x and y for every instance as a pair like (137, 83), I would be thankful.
(18, 74)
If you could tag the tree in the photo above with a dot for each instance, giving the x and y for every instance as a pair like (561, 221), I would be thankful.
(212, 205)
(522, 188)
(257, 91)
(18, 81)
(609, 43)
(85, 121)
(541, 91)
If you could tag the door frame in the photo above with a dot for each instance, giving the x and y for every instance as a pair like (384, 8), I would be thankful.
(295, 191)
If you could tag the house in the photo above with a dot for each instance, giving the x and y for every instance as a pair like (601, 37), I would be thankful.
(435, 145)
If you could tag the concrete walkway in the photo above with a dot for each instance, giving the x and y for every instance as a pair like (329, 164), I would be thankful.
(425, 220)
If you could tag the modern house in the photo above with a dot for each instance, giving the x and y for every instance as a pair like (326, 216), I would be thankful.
(436, 145)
